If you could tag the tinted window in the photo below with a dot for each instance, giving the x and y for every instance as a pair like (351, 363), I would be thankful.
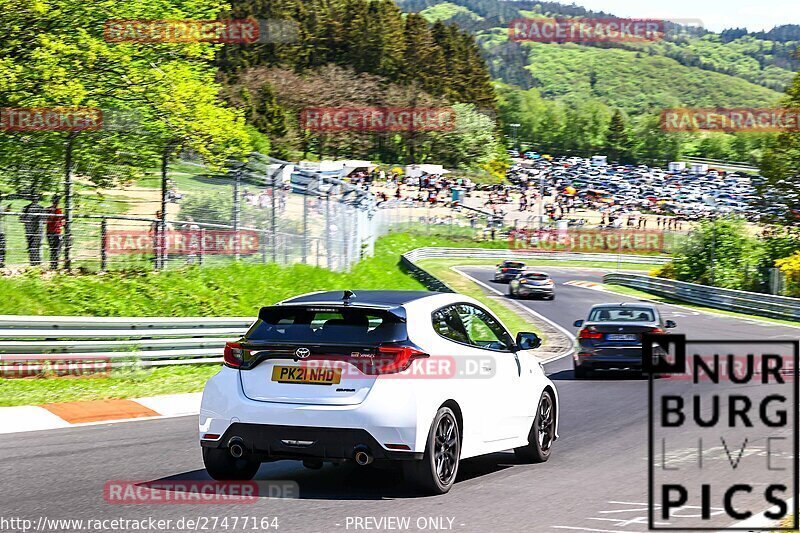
(471, 325)
(448, 324)
(621, 314)
(512, 264)
(537, 277)
(295, 324)
(483, 329)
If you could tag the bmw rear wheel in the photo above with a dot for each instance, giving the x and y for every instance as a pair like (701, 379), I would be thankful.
(437, 471)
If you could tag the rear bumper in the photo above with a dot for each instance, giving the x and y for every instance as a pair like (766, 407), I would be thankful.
(616, 357)
(389, 415)
(543, 291)
(305, 442)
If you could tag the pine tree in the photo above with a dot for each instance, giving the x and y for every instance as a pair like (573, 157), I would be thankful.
(618, 142)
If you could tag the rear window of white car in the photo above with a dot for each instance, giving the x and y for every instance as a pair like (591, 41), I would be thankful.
(315, 324)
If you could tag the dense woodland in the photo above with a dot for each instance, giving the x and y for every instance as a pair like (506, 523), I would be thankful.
(359, 53)
(576, 87)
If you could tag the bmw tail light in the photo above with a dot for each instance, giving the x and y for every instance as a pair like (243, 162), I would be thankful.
(233, 355)
(590, 333)
(391, 359)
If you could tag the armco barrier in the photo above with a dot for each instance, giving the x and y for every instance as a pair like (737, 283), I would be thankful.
(500, 254)
(154, 341)
(409, 260)
(751, 303)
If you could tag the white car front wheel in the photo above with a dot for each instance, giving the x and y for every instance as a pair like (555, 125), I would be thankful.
(542, 434)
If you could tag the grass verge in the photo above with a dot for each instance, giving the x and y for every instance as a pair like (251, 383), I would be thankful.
(120, 383)
(236, 289)
(233, 290)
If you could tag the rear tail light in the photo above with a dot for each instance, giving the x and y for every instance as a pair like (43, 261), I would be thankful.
(391, 359)
(590, 333)
(503, 270)
(233, 355)
(657, 331)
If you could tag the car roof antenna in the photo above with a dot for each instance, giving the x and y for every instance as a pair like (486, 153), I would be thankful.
(348, 295)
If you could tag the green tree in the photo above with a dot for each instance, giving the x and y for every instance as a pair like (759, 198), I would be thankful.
(618, 142)
(720, 252)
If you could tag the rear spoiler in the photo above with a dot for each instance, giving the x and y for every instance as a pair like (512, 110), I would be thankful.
(338, 307)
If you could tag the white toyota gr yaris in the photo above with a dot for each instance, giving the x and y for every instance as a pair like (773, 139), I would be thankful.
(422, 378)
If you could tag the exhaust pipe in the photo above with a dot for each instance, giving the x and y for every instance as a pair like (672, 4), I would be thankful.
(363, 456)
(236, 447)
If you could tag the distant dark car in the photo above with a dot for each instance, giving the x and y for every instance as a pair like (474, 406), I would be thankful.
(529, 284)
(611, 337)
(508, 270)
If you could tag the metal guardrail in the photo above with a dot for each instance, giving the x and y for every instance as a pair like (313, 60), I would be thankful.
(501, 254)
(409, 260)
(152, 341)
(752, 303)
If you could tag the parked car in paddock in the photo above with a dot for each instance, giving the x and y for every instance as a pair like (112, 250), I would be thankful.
(529, 284)
(409, 378)
(508, 270)
(610, 338)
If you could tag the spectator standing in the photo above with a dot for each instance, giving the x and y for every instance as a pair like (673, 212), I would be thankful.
(32, 218)
(193, 237)
(54, 230)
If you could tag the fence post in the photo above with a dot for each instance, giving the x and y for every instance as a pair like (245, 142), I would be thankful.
(202, 250)
(103, 244)
(68, 207)
(236, 209)
(305, 227)
(328, 250)
(264, 246)
(274, 220)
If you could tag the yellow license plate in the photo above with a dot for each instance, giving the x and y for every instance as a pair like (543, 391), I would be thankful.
(312, 376)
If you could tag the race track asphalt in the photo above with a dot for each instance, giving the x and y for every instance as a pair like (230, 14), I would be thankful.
(596, 479)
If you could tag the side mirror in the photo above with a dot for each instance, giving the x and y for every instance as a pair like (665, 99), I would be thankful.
(578, 323)
(669, 324)
(528, 341)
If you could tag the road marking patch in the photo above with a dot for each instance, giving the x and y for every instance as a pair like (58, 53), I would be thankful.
(98, 410)
(585, 284)
(73, 414)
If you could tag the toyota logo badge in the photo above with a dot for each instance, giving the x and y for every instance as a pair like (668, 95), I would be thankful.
(302, 353)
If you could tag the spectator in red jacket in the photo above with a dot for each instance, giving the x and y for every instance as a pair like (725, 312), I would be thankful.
(54, 231)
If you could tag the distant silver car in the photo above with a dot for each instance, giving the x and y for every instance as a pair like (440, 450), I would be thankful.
(529, 284)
